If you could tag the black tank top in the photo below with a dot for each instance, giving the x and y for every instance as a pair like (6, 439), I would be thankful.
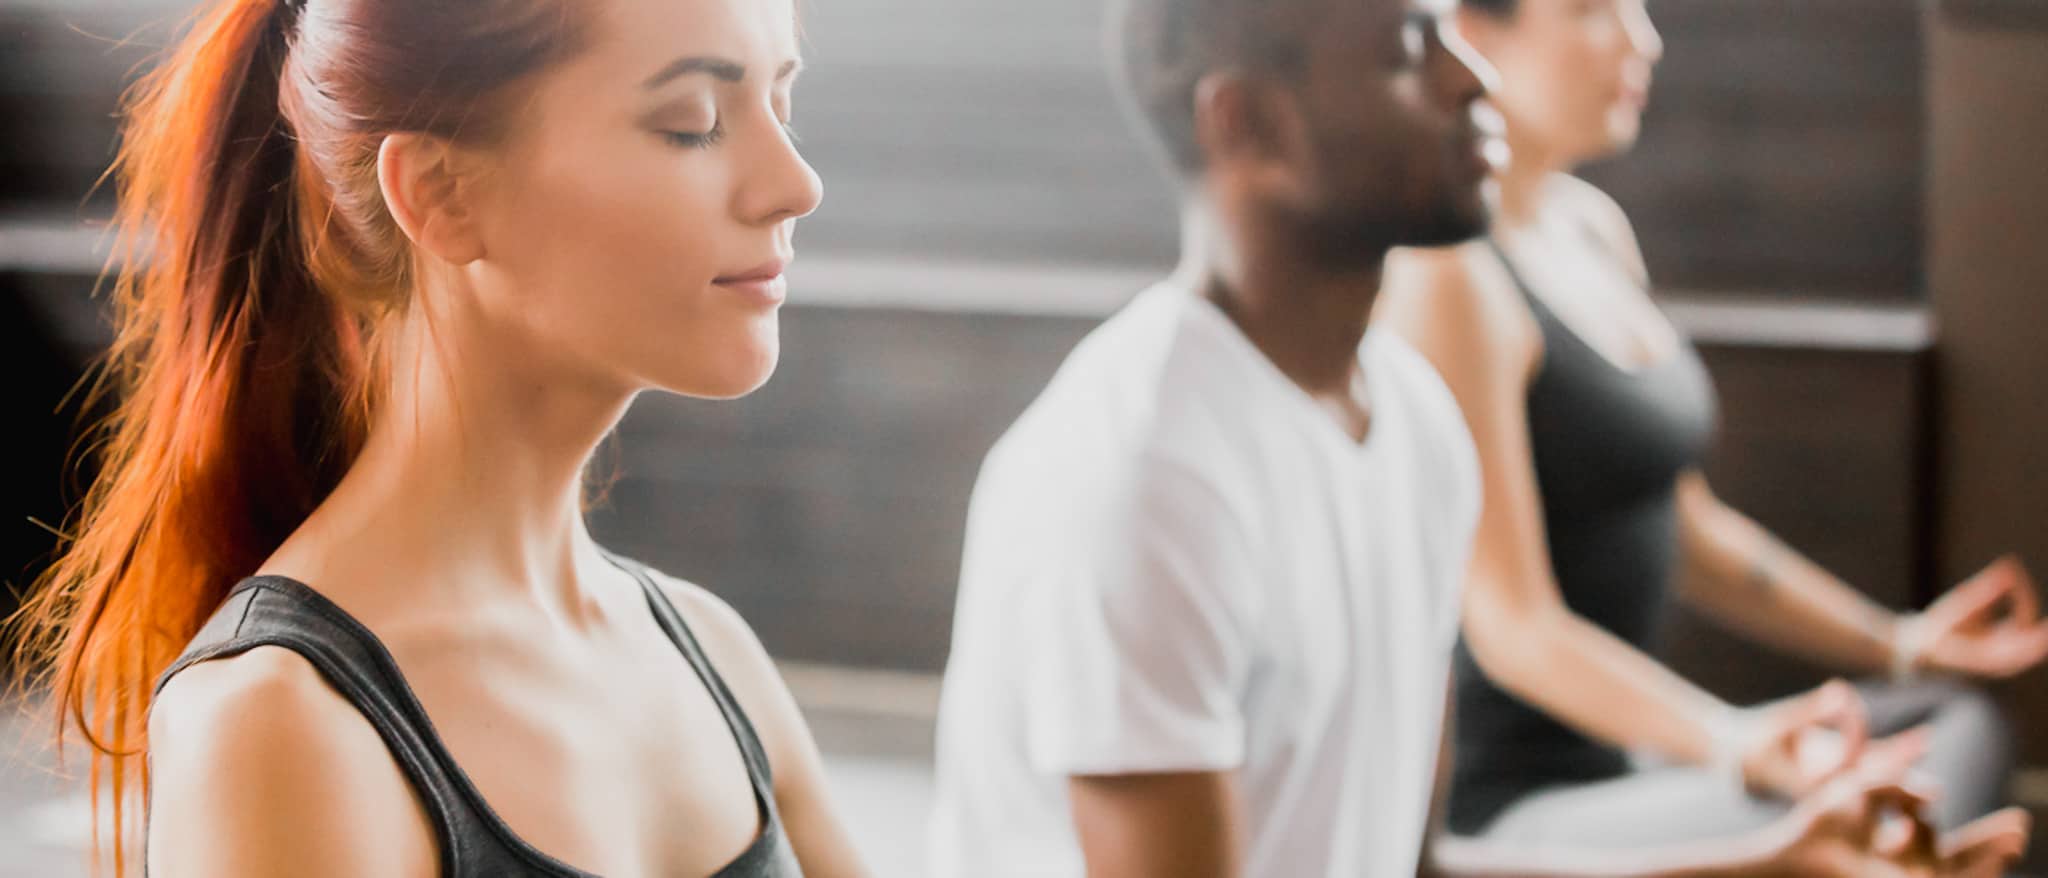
(473, 841)
(1608, 447)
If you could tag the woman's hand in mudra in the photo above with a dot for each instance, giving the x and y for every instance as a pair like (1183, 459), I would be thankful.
(1796, 746)
(1988, 626)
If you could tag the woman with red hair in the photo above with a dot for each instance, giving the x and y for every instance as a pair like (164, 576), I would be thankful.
(392, 271)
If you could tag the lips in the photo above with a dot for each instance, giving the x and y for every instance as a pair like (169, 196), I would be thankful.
(761, 286)
(1635, 89)
(763, 273)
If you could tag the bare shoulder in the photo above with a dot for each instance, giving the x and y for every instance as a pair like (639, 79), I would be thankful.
(745, 666)
(822, 844)
(1592, 206)
(1465, 283)
(725, 636)
(259, 767)
(1458, 304)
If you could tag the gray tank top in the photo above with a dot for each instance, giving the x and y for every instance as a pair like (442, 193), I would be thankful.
(1608, 446)
(473, 841)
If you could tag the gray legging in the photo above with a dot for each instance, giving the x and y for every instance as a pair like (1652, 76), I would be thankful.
(1970, 754)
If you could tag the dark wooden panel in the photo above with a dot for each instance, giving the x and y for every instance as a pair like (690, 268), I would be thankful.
(1782, 149)
(1988, 218)
(2005, 15)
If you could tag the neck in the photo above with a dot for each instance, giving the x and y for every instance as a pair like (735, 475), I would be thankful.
(472, 472)
(1524, 183)
(1307, 319)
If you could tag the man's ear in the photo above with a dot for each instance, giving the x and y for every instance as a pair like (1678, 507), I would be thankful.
(424, 180)
(1252, 126)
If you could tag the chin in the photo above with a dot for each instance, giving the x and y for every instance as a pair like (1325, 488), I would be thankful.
(745, 375)
(736, 371)
(1623, 128)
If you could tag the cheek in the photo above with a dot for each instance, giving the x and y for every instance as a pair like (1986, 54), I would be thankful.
(1557, 95)
(1596, 69)
(637, 221)
(613, 204)
(607, 248)
(1391, 168)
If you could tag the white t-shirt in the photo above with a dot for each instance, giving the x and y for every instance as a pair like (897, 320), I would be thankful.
(1177, 562)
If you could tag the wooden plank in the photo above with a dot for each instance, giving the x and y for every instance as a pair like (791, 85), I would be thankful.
(1988, 212)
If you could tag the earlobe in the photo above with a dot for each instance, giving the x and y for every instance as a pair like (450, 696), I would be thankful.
(1224, 121)
(1235, 121)
(423, 189)
(1251, 126)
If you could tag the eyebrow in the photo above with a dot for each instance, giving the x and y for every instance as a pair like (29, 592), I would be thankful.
(719, 68)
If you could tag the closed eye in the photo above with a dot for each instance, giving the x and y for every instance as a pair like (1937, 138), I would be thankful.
(695, 139)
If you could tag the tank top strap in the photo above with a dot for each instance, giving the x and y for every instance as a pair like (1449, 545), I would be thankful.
(1608, 247)
(473, 840)
(679, 633)
(277, 611)
(771, 855)
(1542, 312)
(1600, 243)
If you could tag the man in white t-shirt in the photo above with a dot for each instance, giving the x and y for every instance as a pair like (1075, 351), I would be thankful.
(1212, 574)
(1179, 562)
(1217, 563)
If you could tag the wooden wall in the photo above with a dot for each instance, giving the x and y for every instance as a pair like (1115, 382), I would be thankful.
(1783, 149)
(1988, 217)
(1782, 152)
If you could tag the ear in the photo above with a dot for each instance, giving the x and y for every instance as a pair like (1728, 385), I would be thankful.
(423, 180)
(1252, 127)
(1232, 123)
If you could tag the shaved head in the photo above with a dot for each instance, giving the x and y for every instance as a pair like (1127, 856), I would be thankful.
(1350, 123)
(1163, 48)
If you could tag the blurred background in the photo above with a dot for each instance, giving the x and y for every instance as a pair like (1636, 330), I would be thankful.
(1843, 200)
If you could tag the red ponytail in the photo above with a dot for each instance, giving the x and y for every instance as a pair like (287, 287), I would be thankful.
(255, 263)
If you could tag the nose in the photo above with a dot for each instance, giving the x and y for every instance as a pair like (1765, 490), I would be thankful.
(780, 185)
(1642, 33)
(1462, 74)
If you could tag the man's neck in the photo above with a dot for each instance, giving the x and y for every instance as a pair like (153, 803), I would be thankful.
(1308, 320)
